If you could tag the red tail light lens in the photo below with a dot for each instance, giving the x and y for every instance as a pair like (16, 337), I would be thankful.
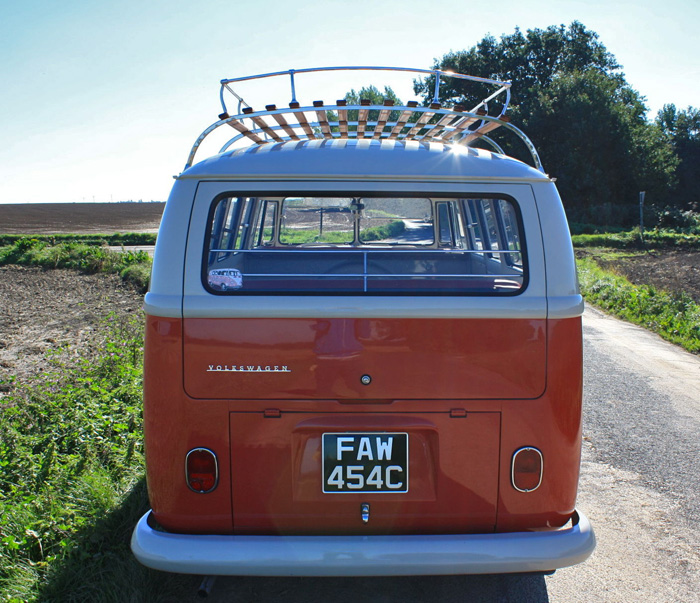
(201, 470)
(526, 469)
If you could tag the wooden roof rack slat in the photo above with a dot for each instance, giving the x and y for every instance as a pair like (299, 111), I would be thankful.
(323, 119)
(403, 118)
(362, 117)
(461, 125)
(383, 116)
(237, 125)
(301, 118)
(439, 126)
(342, 118)
(422, 120)
(262, 124)
(489, 126)
(279, 118)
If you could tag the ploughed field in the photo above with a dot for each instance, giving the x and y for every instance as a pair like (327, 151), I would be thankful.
(85, 218)
(44, 310)
(673, 271)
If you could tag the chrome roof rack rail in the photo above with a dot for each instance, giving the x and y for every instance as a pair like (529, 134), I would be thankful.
(320, 121)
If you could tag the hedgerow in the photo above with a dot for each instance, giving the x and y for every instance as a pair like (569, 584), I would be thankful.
(133, 266)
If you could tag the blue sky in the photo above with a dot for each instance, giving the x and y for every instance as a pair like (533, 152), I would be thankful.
(102, 101)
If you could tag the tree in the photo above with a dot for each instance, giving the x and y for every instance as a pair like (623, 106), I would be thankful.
(683, 128)
(593, 134)
(375, 97)
(531, 60)
(571, 98)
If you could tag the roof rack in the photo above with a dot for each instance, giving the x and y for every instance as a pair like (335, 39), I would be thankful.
(411, 122)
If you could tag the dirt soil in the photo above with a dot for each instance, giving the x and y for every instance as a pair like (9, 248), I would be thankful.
(673, 271)
(83, 218)
(48, 309)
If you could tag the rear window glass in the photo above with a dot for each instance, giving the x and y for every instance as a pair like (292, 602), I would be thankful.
(364, 245)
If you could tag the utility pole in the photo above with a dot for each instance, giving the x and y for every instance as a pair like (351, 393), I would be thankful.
(641, 214)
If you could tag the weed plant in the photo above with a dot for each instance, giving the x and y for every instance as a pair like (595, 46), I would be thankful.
(674, 316)
(132, 266)
(71, 479)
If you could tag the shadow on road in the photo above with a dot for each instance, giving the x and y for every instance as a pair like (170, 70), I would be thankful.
(513, 588)
(101, 567)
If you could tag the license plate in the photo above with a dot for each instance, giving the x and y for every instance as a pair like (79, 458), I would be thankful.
(365, 462)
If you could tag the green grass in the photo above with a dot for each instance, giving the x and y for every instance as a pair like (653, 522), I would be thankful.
(674, 316)
(293, 236)
(71, 479)
(631, 239)
(133, 266)
(302, 236)
(129, 238)
(388, 231)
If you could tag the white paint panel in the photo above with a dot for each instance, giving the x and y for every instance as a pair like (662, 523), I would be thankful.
(530, 303)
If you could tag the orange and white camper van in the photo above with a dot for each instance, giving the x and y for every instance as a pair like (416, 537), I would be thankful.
(363, 349)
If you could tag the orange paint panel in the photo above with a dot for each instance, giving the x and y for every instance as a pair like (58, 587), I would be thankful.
(551, 424)
(277, 477)
(405, 358)
(172, 427)
(459, 466)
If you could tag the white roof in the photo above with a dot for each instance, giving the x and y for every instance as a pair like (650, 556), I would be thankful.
(363, 159)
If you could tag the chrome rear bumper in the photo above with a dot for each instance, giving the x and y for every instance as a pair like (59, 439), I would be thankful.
(364, 555)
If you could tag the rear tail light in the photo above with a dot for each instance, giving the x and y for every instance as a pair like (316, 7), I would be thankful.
(201, 470)
(526, 469)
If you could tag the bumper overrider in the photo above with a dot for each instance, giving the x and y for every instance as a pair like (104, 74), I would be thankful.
(441, 554)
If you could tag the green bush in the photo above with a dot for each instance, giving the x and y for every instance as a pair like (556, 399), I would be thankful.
(675, 218)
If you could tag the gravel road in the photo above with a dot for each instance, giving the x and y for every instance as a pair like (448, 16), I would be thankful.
(640, 485)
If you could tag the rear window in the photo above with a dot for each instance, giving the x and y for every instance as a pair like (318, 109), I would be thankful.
(359, 245)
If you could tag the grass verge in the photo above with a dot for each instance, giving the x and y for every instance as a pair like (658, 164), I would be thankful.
(71, 480)
(133, 266)
(128, 238)
(658, 238)
(674, 316)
